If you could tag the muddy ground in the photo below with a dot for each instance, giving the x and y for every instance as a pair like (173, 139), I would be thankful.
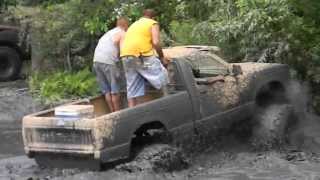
(230, 158)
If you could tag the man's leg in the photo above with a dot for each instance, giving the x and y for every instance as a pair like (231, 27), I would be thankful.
(155, 73)
(102, 80)
(135, 90)
(113, 76)
(135, 82)
(109, 101)
(132, 102)
(115, 101)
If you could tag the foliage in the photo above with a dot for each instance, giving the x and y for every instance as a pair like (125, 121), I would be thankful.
(40, 2)
(181, 32)
(285, 31)
(308, 9)
(4, 4)
(63, 30)
(63, 85)
(64, 34)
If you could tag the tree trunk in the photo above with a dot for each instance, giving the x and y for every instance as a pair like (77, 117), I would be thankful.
(37, 56)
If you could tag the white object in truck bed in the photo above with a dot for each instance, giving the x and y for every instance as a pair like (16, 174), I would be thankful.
(75, 111)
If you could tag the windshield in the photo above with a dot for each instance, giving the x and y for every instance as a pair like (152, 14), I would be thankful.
(206, 64)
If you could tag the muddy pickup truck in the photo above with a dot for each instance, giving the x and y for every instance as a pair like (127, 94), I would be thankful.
(13, 51)
(205, 94)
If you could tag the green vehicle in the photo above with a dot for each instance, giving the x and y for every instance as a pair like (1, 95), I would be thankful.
(13, 51)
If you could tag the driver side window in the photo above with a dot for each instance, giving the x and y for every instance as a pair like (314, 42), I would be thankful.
(207, 68)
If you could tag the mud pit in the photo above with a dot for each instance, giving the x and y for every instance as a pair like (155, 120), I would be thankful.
(14, 104)
(230, 158)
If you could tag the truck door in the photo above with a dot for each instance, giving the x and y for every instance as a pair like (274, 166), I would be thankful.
(208, 73)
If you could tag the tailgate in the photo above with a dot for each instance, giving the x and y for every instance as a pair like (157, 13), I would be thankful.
(44, 134)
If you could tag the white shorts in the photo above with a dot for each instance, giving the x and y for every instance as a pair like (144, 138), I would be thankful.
(140, 70)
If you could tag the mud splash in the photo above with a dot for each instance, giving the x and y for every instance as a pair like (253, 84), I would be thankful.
(271, 125)
(305, 135)
(157, 158)
(234, 163)
(23, 168)
(233, 160)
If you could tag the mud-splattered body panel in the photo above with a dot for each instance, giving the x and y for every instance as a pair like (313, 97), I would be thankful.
(194, 103)
(240, 89)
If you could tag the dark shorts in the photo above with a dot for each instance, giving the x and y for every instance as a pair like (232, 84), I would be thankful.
(108, 77)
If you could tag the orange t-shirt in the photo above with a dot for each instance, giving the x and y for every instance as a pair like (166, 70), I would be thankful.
(138, 39)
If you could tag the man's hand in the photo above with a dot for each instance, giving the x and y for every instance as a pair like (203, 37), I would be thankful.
(165, 61)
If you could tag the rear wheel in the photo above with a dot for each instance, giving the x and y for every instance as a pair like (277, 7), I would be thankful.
(10, 63)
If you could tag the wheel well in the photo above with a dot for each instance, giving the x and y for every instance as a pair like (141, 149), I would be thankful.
(271, 93)
(149, 126)
(149, 133)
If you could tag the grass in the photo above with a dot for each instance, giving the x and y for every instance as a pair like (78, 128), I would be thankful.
(61, 85)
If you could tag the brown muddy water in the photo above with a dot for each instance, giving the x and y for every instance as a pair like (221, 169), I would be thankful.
(232, 158)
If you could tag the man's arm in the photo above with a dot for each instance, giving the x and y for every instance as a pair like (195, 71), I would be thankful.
(155, 30)
(117, 39)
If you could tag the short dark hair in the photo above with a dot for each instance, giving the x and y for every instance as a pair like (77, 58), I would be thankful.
(149, 13)
(122, 18)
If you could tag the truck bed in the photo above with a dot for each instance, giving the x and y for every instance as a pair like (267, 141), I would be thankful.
(100, 105)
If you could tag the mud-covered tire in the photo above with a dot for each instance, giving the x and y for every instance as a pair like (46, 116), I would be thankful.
(10, 63)
(60, 161)
(271, 124)
(156, 157)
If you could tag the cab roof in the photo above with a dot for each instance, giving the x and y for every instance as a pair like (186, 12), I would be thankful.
(183, 51)
(203, 59)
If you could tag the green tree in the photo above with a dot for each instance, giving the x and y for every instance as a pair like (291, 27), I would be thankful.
(4, 4)
(285, 31)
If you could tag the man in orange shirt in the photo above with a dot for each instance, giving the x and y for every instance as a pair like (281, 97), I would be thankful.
(138, 55)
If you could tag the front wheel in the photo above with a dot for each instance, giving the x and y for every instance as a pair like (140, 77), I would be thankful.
(10, 63)
(271, 124)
